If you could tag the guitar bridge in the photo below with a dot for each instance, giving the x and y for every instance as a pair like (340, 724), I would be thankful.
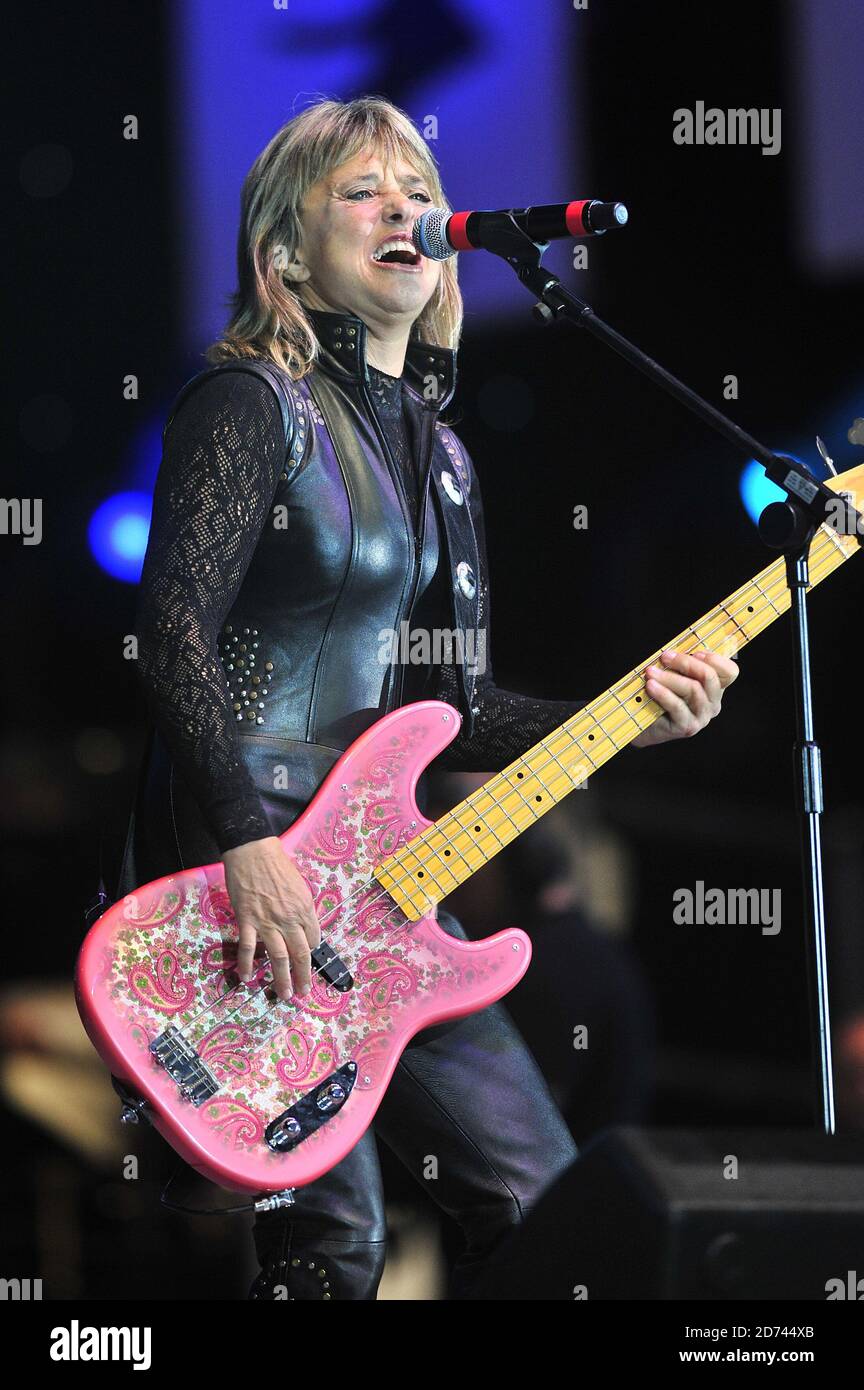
(179, 1058)
(312, 1110)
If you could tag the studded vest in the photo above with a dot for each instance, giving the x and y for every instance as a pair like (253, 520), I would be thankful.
(344, 560)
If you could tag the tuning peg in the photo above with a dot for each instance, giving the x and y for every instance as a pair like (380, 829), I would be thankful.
(829, 463)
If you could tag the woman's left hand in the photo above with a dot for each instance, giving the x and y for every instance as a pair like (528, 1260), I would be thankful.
(689, 687)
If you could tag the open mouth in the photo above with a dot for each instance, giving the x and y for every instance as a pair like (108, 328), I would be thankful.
(396, 255)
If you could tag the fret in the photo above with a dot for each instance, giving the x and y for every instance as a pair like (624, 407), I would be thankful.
(469, 835)
(497, 804)
(426, 857)
(567, 775)
(622, 706)
(767, 597)
(443, 849)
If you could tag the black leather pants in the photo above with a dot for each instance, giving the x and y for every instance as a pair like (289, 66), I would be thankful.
(467, 1112)
(469, 1115)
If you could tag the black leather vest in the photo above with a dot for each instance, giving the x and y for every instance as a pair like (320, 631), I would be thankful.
(341, 561)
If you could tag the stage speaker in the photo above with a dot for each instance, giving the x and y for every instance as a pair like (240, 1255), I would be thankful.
(694, 1214)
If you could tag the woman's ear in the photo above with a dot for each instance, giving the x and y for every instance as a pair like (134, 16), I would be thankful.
(296, 271)
(291, 267)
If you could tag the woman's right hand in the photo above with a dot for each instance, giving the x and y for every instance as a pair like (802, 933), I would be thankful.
(272, 901)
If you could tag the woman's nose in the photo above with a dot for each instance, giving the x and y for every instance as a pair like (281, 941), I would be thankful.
(398, 208)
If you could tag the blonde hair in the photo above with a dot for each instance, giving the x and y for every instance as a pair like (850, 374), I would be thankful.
(268, 318)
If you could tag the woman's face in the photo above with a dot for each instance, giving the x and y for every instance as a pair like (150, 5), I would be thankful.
(346, 217)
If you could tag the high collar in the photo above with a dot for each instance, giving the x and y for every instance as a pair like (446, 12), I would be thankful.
(342, 341)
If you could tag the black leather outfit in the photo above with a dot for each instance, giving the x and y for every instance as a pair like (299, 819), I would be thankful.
(292, 522)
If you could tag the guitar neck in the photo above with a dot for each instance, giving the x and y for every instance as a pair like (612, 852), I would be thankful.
(462, 841)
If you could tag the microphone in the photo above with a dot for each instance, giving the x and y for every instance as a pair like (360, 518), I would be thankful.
(439, 234)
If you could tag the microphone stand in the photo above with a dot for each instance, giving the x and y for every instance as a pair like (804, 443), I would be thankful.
(786, 526)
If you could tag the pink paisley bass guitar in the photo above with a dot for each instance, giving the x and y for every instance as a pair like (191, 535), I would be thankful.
(262, 1095)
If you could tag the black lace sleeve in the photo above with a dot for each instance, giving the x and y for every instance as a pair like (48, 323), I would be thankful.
(506, 724)
(220, 464)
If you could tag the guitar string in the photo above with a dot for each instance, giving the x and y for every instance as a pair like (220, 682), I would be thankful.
(699, 639)
(620, 685)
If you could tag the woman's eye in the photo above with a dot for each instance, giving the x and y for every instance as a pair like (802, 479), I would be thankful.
(358, 191)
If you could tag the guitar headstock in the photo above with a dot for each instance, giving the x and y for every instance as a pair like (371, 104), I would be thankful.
(850, 481)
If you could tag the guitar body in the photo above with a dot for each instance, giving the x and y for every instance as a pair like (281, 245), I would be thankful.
(260, 1094)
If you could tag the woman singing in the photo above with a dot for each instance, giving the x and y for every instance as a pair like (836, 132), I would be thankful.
(276, 558)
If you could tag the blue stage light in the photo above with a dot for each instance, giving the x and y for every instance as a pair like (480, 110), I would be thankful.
(757, 490)
(118, 534)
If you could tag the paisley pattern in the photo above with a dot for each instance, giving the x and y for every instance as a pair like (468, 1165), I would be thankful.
(388, 819)
(215, 906)
(153, 906)
(304, 1061)
(238, 1125)
(335, 843)
(226, 1050)
(387, 977)
(173, 950)
(163, 985)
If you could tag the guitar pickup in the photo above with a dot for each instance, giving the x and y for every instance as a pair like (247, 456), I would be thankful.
(331, 968)
(179, 1058)
(311, 1111)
